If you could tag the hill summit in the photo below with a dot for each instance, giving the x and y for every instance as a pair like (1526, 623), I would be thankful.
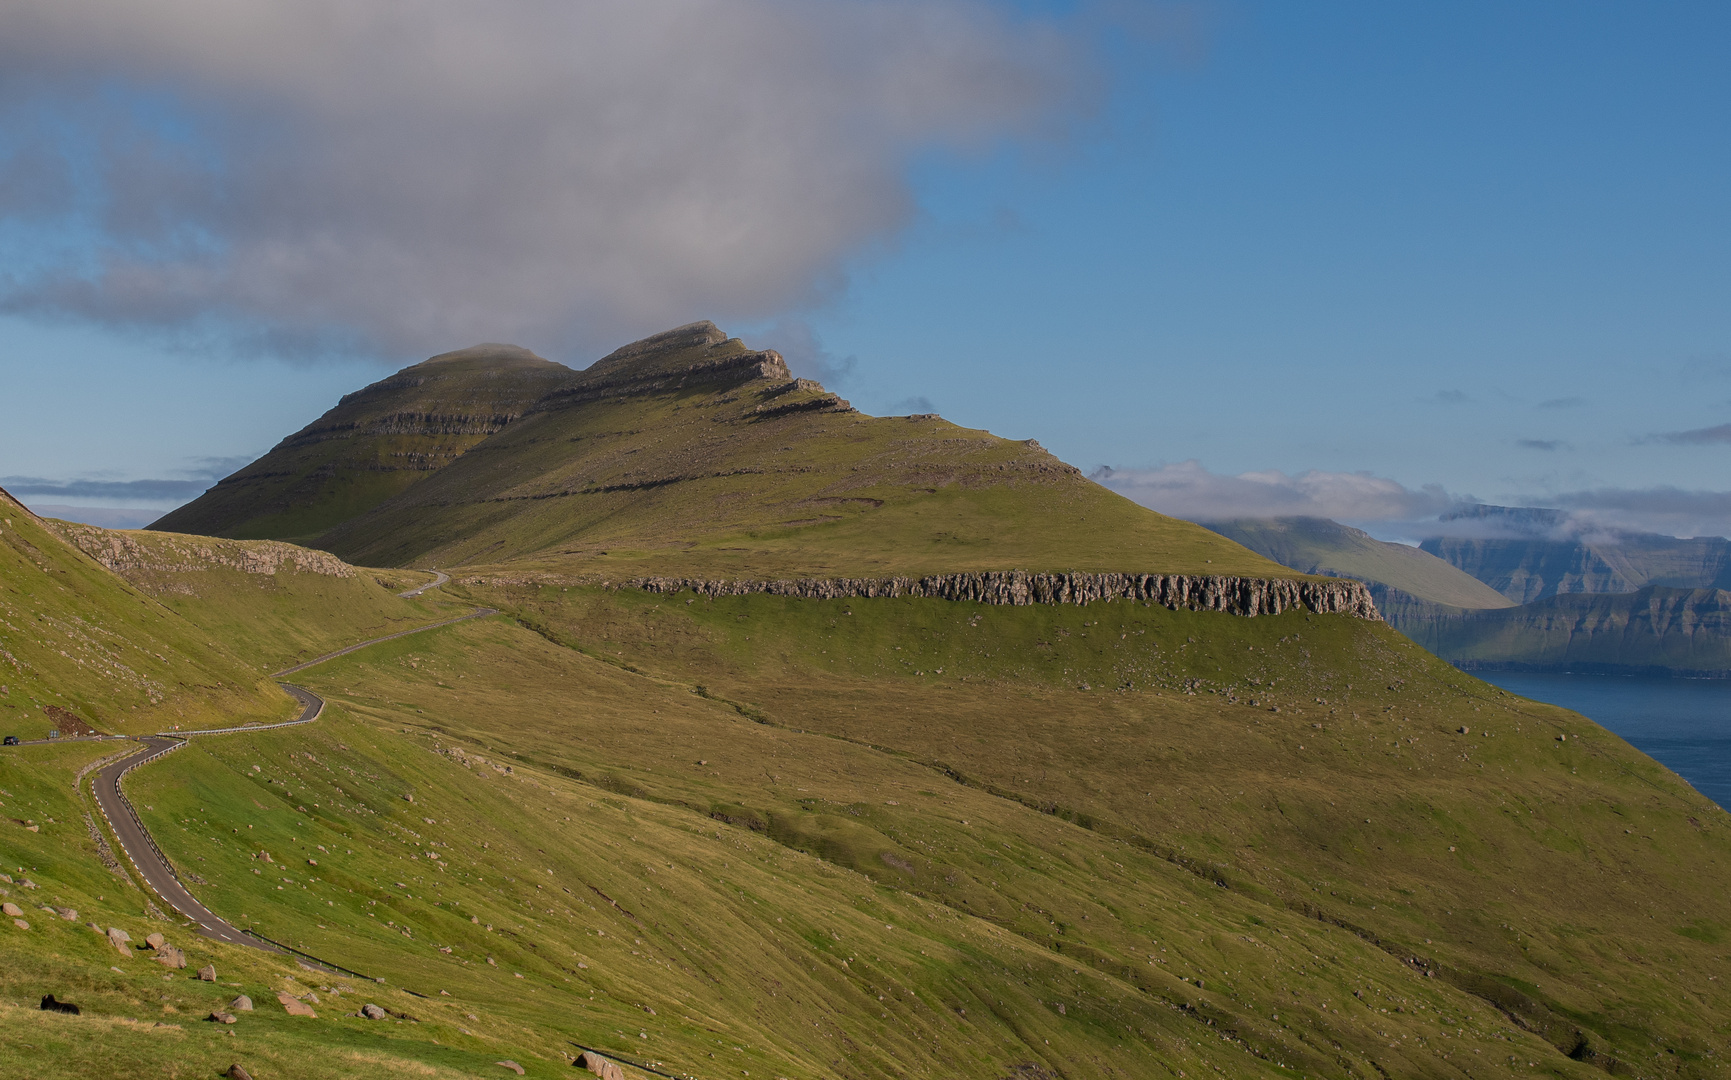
(376, 442)
(687, 452)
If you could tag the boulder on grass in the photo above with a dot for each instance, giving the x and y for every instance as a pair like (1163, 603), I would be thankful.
(13, 911)
(171, 956)
(220, 1017)
(512, 1065)
(121, 940)
(294, 1006)
(207, 973)
(372, 1012)
(240, 1004)
(235, 1072)
(156, 941)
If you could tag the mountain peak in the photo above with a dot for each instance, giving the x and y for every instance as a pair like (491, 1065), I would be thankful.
(492, 352)
(696, 353)
(695, 335)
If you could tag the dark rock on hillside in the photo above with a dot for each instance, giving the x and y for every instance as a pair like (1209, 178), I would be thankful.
(1194, 592)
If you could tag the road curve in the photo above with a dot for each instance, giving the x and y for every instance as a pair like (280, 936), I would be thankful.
(435, 583)
(135, 840)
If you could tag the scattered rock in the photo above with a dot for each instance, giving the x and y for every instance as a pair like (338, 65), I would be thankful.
(207, 973)
(372, 1012)
(240, 1004)
(408, 798)
(600, 1066)
(69, 914)
(156, 941)
(294, 1007)
(120, 939)
(512, 1065)
(50, 1005)
(171, 956)
(28, 884)
(1464, 730)
(20, 924)
(312, 862)
(235, 1072)
(220, 1017)
(12, 911)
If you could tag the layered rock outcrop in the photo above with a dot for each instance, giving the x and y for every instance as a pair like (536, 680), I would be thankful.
(1190, 592)
(127, 556)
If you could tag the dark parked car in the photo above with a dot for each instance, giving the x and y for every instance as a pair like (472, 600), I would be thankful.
(11, 740)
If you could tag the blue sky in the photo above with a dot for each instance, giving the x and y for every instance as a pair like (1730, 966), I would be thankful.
(1472, 250)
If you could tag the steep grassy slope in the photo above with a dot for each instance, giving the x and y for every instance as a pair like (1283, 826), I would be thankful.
(1319, 546)
(273, 603)
(1307, 764)
(372, 445)
(689, 453)
(1681, 631)
(74, 636)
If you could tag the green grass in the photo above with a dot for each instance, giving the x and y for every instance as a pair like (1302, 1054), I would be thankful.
(74, 635)
(848, 839)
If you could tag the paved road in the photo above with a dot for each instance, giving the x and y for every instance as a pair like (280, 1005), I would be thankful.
(135, 840)
(435, 583)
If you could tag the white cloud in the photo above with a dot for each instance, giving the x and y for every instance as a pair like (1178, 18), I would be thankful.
(1392, 511)
(1188, 490)
(412, 177)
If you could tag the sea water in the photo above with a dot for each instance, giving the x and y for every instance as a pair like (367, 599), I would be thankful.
(1683, 723)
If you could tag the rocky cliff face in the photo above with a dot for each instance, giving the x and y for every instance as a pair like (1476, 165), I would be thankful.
(155, 562)
(1192, 592)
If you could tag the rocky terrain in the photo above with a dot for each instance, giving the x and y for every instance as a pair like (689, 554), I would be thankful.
(1189, 592)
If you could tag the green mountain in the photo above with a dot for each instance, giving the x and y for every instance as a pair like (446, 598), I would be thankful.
(825, 829)
(689, 453)
(1531, 553)
(1314, 545)
(374, 444)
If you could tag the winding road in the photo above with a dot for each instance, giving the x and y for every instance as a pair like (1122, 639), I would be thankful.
(440, 578)
(135, 840)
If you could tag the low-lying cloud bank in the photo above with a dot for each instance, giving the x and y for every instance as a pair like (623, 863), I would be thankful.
(310, 175)
(1390, 510)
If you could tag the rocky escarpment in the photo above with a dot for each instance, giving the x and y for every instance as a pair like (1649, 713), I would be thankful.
(1191, 592)
(145, 559)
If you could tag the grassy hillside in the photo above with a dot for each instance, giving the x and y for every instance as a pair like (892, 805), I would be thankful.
(273, 603)
(1683, 631)
(372, 445)
(74, 636)
(1319, 546)
(689, 453)
(757, 836)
